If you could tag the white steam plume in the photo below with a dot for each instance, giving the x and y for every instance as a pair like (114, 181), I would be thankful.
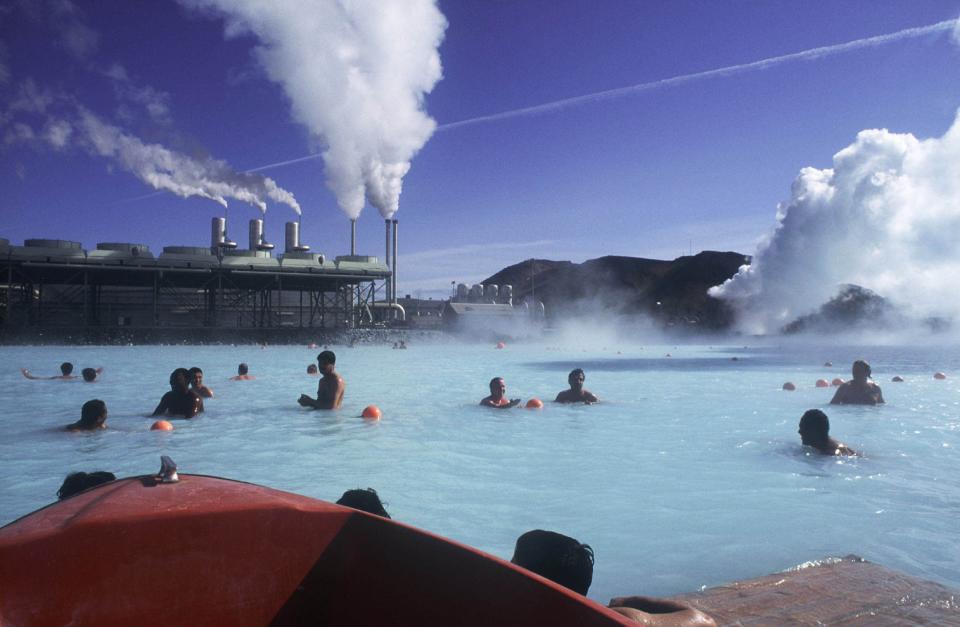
(885, 217)
(164, 169)
(356, 73)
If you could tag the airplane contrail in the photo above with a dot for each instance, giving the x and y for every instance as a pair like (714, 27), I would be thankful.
(762, 64)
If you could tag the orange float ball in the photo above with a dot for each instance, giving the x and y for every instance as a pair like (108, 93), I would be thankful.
(789, 386)
(534, 403)
(501, 345)
(837, 381)
(371, 412)
(823, 383)
(939, 375)
(162, 425)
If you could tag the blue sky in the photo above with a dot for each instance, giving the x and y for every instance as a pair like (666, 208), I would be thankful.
(655, 173)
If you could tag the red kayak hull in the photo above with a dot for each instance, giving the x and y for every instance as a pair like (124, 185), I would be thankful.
(209, 551)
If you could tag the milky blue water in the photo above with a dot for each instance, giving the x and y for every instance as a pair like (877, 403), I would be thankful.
(689, 473)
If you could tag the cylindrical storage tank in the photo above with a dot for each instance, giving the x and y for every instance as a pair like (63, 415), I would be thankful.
(52, 243)
(256, 233)
(491, 292)
(462, 292)
(476, 293)
(291, 236)
(506, 294)
(218, 231)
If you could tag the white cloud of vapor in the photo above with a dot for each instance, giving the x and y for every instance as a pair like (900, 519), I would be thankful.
(885, 217)
(356, 73)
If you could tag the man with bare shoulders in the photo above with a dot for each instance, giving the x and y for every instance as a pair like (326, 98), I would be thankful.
(815, 432)
(66, 370)
(576, 393)
(331, 387)
(180, 401)
(498, 398)
(243, 373)
(197, 385)
(861, 390)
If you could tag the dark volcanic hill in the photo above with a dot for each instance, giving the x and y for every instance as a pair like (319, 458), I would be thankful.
(673, 292)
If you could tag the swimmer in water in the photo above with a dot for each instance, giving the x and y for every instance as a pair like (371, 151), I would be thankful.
(815, 432)
(576, 393)
(197, 384)
(497, 398)
(566, 561)
(77, 482)
(366, 500)
(180, 401)
(861, 390)
(312, 370)
(242, 373)
(331, 386)
(90, 374)
(66, 368)
(93, 416)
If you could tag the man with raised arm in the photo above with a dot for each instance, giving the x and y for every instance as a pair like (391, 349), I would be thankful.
(331, 387)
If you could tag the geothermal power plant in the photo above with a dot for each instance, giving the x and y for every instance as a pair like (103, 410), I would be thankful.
(54, 284)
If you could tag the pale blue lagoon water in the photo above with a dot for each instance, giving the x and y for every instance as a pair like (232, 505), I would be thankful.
(688, 474)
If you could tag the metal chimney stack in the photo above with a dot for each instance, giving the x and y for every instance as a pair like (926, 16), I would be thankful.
(394, 280)
(389, 294)
(256, 233)
(292, 238)
(353, 236)
(218, 232)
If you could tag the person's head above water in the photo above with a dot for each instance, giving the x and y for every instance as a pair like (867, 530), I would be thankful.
(814, 427)
(77, 482)
(197, 375)
(66, 368)
(243, 369)
(497, 386)
(861, 370)
(366, 500)
(326, 358)
(180, 379)
(92, 415)
(89, 375)
(557, 557)
(312, 369)
(576, 378)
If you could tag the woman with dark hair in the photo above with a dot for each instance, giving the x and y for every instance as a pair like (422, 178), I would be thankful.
(365, 500)
(77, 482)
(93, 416)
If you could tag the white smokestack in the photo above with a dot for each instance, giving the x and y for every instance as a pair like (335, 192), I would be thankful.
(356, 73)
(353, 236)
(885, 217)
(292, 238)
(393, 281)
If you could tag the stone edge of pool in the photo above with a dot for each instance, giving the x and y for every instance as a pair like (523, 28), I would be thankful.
(847, 591)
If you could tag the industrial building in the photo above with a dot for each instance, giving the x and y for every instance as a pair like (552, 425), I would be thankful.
(56, 284)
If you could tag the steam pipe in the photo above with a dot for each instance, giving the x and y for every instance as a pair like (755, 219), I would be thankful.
(394, 281)
(389, 294)
(353, 236)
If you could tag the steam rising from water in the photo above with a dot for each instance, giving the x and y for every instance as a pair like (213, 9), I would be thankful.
(885, 217)
(356, 72)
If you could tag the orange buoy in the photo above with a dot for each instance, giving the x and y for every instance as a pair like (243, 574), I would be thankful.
(162, 425)
(939, 375)
(837, 381)
(789, 386)
(897, 379)
(823, 383)
(371, 412)
(501, 345)
(534, 403)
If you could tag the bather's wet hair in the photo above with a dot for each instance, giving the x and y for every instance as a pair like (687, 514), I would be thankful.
(814, 426)
(193, 372)
(862, 366)
(312, 369)
(77, 482)
(576, 372)
(557, 557)
(243, 369)
(89, 374)
(327, 357)
(90, 413)
(66, 368)
(186, 374)
(366, 500)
